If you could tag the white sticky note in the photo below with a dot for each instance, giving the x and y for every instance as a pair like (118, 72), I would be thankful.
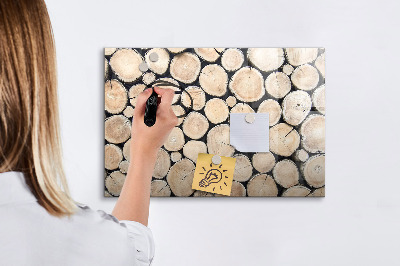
(250, 137)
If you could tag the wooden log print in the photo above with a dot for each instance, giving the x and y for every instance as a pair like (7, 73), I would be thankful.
(286, 83)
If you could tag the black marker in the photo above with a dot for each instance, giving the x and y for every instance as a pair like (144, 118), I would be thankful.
(151, 110)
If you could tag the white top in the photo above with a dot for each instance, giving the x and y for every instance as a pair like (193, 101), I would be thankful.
(31, 236)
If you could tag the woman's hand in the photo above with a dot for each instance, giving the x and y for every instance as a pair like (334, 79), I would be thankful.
(133, 202)
(149, 139)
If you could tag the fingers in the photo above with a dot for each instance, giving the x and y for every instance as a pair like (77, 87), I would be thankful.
(141, 102)
(167, 96)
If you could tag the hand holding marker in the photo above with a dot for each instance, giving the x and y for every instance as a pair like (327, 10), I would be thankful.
(150, 113)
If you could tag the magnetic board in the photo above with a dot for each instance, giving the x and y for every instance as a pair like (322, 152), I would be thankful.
(286, 83)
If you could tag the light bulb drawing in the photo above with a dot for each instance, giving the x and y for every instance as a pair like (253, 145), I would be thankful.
(214, 175)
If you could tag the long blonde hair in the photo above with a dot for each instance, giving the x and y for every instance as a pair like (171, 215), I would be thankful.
(29, 120)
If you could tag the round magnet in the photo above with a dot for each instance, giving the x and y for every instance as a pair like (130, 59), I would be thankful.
(153, 57)
(216, 159)
(250, 118)
(143, 67)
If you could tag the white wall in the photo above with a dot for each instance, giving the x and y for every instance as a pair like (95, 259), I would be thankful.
(358, 221)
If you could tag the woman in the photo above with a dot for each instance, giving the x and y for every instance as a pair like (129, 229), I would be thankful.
(39, 222)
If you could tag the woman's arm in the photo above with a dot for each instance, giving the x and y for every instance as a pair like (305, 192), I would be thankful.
(133, 202)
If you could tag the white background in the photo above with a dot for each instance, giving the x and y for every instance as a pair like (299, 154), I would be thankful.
(358, 223)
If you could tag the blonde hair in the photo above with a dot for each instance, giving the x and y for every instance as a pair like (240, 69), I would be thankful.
(29, 120)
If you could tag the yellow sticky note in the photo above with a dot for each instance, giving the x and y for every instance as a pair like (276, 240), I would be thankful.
(214, 178)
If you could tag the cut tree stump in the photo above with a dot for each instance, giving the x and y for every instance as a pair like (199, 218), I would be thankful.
(295, 107)
(105, 68)
(318, 99)
(319, 192)
(278, 84)
(296, 191)
(209, 54)
(241, 108)
(216, 110)
(180, 178)
(313, 133)
(300, 56)
(238, 190)
(161, 65)
(134, 91)
(287, 69)
(125, 63)
(213, 80)
(283, 139)
(124, 166)
(263, 162)
(178, 111)
(109, 51)
(232, 59)
(199, 193)
(314, 171)
(192, 148)
(117, 129)
(185, 67)
(198, 96)
(231, 101)
(247, 84)
(128, 112)
(262, 185)
(175, 140)
(126, 151)
(273, 108)
(195, 125)
(305, 77)
(115, 97)
(286, 173)
(218, 141)
(176, 156)
(159, 188)
(176, 50)
(113, 156)
(243, 168)
(176, 96)
(148, 78)
(114, 182)
(320, 64)
(163, 163)
(300, 155)
(266, 59)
